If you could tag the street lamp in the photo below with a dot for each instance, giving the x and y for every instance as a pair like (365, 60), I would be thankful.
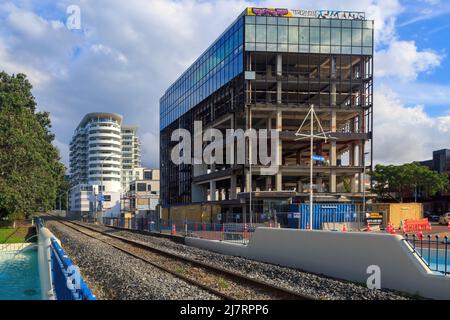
(321, 135)
(67, 200)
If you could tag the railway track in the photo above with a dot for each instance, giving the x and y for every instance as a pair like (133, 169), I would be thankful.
(226, 284)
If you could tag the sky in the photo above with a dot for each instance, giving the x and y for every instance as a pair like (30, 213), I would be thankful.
(127, 53)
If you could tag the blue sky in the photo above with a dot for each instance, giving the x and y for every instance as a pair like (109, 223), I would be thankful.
(129, 52)
(429, 26)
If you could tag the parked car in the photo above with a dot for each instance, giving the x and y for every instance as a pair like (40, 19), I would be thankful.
(431, 216)
(444, 218)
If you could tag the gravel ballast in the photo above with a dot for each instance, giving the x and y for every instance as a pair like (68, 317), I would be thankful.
(112, 274)
(319, 286)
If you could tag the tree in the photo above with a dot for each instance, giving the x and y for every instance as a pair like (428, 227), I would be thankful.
(30, 170)
(407, 179)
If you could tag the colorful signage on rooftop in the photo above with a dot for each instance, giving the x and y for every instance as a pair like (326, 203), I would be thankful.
(321, 14)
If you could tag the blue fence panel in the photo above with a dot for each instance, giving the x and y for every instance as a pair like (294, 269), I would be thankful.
(62, 269)
(331, 212)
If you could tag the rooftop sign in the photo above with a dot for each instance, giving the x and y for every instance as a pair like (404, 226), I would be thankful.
(321, 14)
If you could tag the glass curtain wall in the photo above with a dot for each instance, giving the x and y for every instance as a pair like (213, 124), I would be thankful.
(324, 62)
(222, 62)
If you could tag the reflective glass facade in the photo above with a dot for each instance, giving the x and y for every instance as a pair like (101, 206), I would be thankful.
(218, 65)
(308, 35)
(268, 63)
(224, 59)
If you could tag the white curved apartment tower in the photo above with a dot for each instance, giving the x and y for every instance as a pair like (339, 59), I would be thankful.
(98, 161)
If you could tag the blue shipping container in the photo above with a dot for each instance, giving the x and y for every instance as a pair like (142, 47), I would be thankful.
(322, 212)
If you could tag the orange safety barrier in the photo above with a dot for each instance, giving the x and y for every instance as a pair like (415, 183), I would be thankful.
(416, 225)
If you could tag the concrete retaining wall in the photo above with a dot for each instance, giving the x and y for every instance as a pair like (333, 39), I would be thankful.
(340, 255)
(45, 267)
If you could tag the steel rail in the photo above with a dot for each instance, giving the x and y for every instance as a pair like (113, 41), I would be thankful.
(158, 266)
(274, 290)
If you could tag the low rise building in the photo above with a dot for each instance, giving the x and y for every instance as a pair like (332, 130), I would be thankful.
(142, 197)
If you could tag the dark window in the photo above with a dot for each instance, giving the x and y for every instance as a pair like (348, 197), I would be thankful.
(147, 175)
(141, 187)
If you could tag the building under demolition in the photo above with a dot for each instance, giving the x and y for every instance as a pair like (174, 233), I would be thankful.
(264, 72)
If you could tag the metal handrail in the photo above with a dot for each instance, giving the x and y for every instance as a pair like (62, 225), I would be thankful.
(428, 243)
(62, 270)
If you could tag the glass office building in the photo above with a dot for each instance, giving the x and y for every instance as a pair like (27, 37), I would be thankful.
(266, 70)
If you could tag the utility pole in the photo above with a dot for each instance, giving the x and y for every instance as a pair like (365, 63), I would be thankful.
(321, 135)
(311, 190)
(364, 182)
(67, 200)
(249, 126)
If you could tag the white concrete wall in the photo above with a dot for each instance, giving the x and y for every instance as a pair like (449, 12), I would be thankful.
(112, 208)
(44, 260)
(340, 255)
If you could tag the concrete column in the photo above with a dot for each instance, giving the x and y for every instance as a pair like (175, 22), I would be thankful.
(279, 64)
(269, 183)
(361, 148)
(351, 160)
(279, 73)
(333, 99)
(233, 193)
(351, 155)
(248, 176)
(279, 92)
(269, 75)
(223, 194)
(333, 153)
(299, 186)
(279, 182)
(319, 184)
(212, 191)
(361, 123)
(269, 70)
(353, 184)
(279, 178)
(333, 90)
(299, 157)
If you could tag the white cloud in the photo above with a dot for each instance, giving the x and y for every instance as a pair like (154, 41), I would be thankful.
(8, 64)
(63, 151)
(150, 147)
(403, 60)
(405, 134)
(384, 13)
(129, 52)
(423, 93)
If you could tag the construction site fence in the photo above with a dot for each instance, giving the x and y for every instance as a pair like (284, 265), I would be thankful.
(232, 232)
(241, 232)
